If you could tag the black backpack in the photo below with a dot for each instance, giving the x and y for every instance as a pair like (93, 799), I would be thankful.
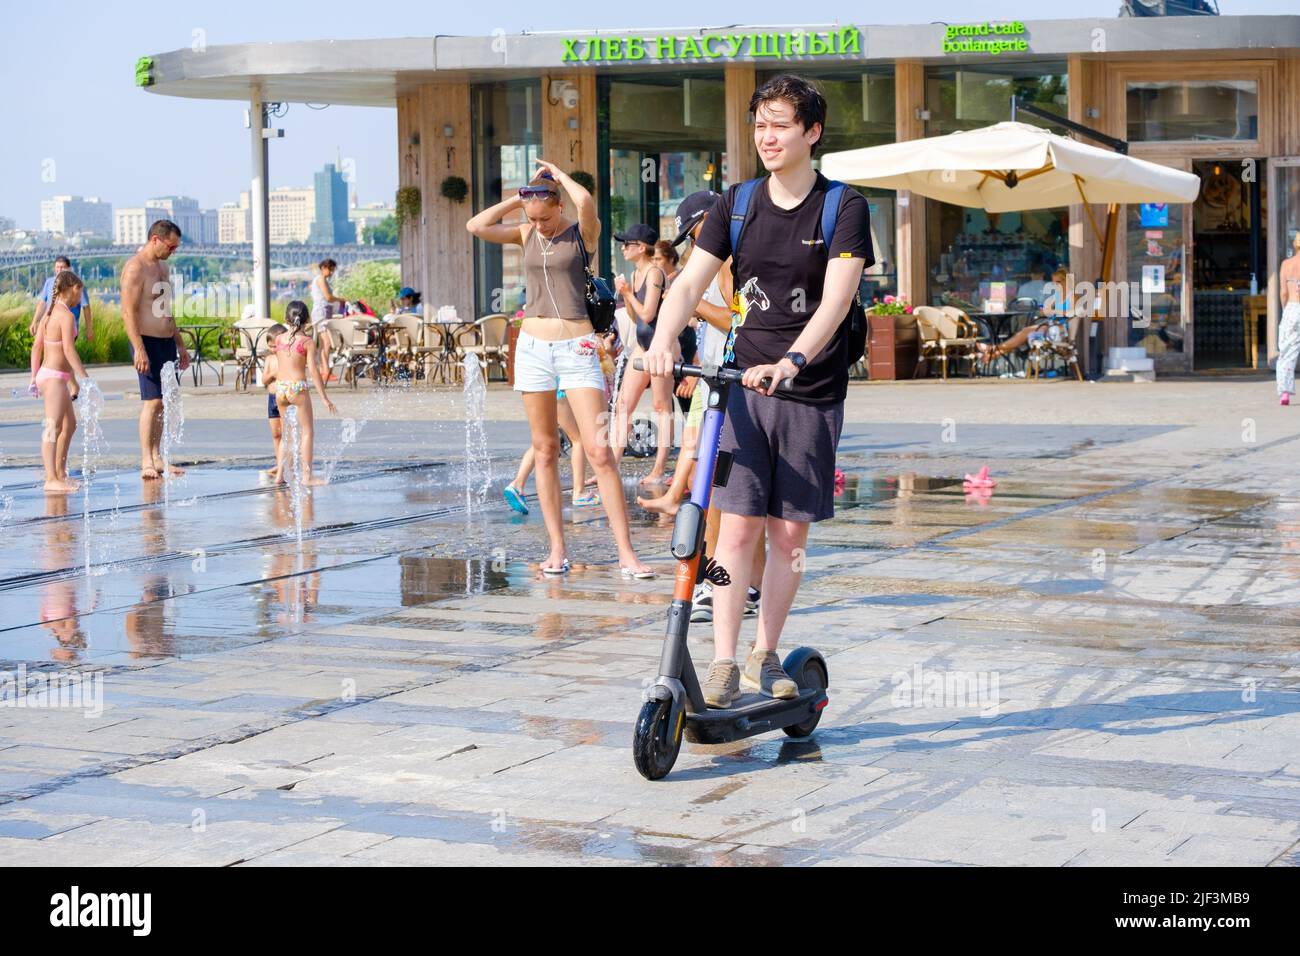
(856, 320)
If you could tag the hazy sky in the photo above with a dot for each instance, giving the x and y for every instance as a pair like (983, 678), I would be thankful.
(69, 97)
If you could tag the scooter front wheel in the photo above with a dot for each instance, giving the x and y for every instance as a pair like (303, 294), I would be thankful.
(654, 744)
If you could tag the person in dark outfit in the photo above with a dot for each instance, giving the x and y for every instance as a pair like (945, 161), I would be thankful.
(794, 287)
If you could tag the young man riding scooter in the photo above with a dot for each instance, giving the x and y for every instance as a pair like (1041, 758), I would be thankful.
(795, 286)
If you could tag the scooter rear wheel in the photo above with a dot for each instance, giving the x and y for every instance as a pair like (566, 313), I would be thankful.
(654, 744)
(811, 676)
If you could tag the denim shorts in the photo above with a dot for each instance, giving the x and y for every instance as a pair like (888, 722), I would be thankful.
(542, 366)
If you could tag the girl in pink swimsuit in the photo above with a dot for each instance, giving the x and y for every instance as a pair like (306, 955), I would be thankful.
(57, 385)
(295, 361)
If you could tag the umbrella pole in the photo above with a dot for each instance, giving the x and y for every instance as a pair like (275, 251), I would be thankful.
(1107, 263)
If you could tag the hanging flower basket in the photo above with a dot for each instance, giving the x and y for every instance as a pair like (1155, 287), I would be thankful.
(585, 180)
(407, 205)
(454, 188)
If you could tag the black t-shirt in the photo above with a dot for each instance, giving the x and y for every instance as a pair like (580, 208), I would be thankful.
(779, 273)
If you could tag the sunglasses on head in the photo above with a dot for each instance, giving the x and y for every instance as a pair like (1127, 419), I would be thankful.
(535, 192)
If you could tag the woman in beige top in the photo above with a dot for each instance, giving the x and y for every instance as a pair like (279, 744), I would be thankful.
(557, 349)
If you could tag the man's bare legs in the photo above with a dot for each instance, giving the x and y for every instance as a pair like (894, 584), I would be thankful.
(738, 536)
(788, 542)
(151, 415)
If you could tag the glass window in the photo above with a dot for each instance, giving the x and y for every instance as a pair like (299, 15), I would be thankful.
(1288, 181)
(1156, 247)
(1163, 110)
(507, 141)
(860, 112)
(978, 259)
(859, 106)
(665, 136)
(971, 96)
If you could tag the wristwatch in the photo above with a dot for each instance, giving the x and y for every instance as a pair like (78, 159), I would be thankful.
(797, 359)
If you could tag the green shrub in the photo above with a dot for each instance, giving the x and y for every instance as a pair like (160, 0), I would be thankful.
(374, 282)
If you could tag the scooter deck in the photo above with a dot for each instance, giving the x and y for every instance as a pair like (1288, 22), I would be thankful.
(752, 714)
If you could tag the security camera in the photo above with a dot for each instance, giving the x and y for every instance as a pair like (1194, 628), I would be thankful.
(562, 91)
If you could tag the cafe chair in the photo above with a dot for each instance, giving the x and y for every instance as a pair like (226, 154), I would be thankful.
(493, 348)
(928, 345)
(1058, 347)
(249, 343)
(406, 346)
(953, 343)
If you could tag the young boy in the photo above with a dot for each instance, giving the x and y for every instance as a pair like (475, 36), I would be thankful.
(796, 285)
(269, 369)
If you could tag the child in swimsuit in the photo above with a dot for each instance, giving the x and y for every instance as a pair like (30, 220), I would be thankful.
(295, 359)
(55, 381)
(269, 366)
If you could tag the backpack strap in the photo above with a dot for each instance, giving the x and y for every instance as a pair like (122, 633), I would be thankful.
(739, 210)
(835, 191)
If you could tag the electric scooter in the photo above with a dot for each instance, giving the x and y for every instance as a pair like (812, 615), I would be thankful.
(674, 704)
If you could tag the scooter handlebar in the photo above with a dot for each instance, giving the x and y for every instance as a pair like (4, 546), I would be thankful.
(721, 374)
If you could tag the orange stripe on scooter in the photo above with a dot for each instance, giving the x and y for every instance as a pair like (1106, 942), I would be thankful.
(684, 583)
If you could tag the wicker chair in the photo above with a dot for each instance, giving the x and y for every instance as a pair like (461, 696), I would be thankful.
(491, 347)
(928, 345)
(1058, 345)
(942, 335)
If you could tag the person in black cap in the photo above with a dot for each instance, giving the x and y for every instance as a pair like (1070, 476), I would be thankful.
(641, 298)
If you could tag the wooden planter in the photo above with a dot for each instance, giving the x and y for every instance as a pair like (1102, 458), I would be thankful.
(892, 344)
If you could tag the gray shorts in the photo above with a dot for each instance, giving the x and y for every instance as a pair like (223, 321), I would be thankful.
(783, 457)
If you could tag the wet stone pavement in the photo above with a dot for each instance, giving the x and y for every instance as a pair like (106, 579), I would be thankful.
(1096, 663)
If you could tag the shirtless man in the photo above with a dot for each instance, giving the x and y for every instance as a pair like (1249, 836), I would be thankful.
(155, 340)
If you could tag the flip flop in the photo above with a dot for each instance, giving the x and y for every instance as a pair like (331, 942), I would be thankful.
(586, 501)
(980, 479)
(564, 568)
(639, 575)
(514, 499)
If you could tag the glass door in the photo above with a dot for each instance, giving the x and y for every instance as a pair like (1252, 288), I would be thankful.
(665, 138)
(1227, 234)
(1284, 224)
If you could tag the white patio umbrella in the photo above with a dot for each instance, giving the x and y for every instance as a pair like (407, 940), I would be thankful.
(1009, 167)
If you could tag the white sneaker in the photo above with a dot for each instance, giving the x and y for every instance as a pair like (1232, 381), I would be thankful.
(702, 603)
